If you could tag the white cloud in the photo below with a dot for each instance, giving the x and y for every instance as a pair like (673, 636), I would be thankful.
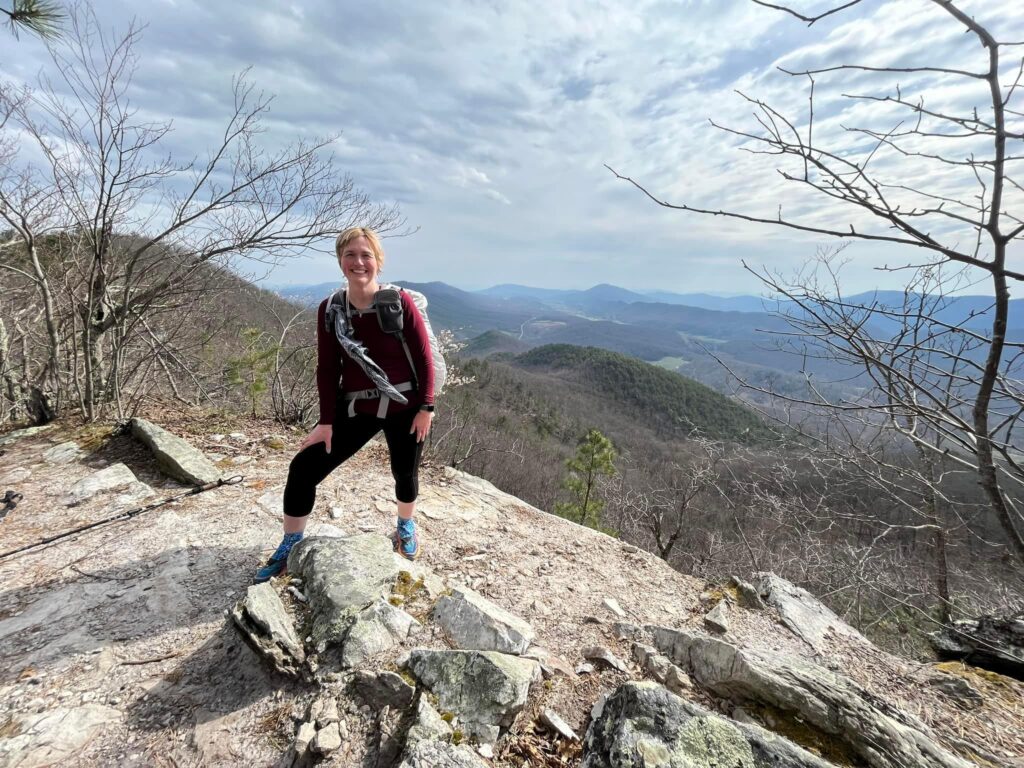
(450, 109)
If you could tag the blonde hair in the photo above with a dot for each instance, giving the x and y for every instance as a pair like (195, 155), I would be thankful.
(351, 234)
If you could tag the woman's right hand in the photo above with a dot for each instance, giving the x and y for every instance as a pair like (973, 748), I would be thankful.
(321, 434)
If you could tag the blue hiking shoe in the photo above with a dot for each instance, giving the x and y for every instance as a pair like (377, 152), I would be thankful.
(278, 562)
(406, 540)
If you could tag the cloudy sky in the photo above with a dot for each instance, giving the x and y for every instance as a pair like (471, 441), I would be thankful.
(491, 123)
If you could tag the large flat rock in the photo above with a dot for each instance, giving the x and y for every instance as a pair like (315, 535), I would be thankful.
(55, 736)
(112, 478)
(175, 456)
(642, 724)
(18, 434)
(878, 733)
(991, 643)
(475, 623)
(805, 615)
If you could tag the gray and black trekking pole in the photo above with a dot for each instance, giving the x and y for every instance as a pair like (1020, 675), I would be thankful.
(127, 515)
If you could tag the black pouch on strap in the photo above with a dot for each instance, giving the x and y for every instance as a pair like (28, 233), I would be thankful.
(389, 309)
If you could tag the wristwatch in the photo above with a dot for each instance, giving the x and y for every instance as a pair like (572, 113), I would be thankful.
(427, 407)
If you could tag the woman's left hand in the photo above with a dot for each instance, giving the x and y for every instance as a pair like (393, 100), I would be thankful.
(421, 425)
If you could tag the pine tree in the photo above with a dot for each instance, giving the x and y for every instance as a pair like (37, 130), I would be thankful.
(594, 458)
(40, 17)
(252, 368)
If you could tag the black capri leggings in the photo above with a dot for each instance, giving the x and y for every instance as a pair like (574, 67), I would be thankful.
(311, 465)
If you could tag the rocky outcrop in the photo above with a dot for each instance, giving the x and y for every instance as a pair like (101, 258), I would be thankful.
(266, 626)
(475, 623)
(802, 612)
(337, 618)
(990, 643)
(643, 724)
(175, 456)
(483, 688)
(830, 704)
(342, 577)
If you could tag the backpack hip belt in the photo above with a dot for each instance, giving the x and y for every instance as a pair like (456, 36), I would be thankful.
(373, 394)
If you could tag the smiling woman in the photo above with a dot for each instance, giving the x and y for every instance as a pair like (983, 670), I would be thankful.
(386, 380)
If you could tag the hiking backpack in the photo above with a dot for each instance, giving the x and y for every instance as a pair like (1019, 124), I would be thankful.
(388, 306)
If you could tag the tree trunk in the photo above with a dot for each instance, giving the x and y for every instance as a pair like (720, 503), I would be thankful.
(986, 461)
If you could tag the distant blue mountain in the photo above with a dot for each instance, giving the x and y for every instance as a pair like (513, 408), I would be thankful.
(307, 295)
(973, 312)
(602, 292)
(513, 291)
(710, 301)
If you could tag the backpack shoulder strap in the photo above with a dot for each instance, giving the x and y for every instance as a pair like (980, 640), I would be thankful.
(405, 344)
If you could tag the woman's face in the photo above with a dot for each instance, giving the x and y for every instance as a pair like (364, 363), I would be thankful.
(358, 263)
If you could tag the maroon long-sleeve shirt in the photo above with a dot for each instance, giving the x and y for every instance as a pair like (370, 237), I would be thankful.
(384, 349)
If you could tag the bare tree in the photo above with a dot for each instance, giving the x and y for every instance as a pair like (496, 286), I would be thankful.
(133, 233)
(971, 230)
(665, 511)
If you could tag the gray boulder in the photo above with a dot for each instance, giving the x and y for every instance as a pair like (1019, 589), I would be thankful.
(373, 630)
(328, 740)
(803, 613)
(428, 726)
(717, 619)
(879, 734)
(265, 625)
(642, 724)
(111, 478)
(603, 655)
(990, 643)
(661, 668)
(747, 595)
(64, 453)
(342, 577)
(15, 476)
(18, 434)
(440, 754)
(475, 623)
(383, 689)
(175, 456)
(483, 688)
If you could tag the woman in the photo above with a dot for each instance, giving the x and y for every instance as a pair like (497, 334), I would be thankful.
(349, 417)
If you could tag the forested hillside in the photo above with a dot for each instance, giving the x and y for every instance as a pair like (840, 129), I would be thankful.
(664, 402)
